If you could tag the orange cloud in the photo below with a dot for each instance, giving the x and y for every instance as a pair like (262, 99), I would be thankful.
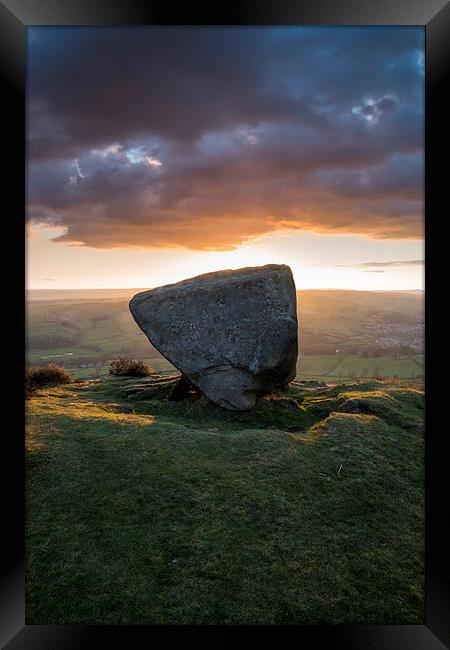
(252, 131)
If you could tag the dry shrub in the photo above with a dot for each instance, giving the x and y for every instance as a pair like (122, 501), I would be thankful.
(49, 375)
(125, 367)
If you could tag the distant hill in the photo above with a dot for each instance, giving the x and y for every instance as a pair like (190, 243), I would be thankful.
(356, 320)
(63, 295)
(86, 328)
(76, 295)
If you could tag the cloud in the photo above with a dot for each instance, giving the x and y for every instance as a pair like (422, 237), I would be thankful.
(205, 137)
(389, 263)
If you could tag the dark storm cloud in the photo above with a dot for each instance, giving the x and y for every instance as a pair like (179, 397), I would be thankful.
(205, 136)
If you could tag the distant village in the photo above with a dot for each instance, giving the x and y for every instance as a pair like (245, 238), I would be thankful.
(373, 339)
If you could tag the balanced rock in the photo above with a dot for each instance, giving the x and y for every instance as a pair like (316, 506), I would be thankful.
(232, 333)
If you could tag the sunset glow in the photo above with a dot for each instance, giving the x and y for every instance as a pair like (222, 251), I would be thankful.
(301, 146)
(317, 261)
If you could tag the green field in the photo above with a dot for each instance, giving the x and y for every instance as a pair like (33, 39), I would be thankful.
(102, 328)
(306, 510)
(74, 330)
(325, 367)
(158, 364)
(334, 366)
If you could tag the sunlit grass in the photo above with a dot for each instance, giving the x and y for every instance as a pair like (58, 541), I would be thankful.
(155, 512)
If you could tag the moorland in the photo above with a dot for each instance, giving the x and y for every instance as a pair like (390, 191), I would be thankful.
(307, 509)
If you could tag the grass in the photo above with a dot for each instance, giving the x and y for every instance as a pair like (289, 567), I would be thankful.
(307, 510)
(310, 366)
(317, 365)
(332, 366)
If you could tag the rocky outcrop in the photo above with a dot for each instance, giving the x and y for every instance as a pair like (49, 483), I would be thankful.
(232, 333)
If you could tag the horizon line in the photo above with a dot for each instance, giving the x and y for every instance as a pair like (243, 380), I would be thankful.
(150, 288)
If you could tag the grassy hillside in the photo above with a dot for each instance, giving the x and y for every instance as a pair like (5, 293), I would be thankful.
(308, 509)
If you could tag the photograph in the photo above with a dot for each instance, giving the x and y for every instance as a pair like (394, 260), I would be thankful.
(225, 325)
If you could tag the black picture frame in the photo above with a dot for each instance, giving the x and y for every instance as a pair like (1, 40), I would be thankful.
(434, 16)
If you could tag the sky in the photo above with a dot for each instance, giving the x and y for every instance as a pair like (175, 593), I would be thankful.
(156, 154)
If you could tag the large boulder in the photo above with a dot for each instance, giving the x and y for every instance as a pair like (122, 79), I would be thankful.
(232, 333)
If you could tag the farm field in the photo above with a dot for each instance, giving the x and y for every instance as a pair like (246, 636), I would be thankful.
(337, 330)
(315, 367)
(323, 366)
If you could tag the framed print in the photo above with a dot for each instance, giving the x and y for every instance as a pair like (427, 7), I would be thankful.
(230, 220)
